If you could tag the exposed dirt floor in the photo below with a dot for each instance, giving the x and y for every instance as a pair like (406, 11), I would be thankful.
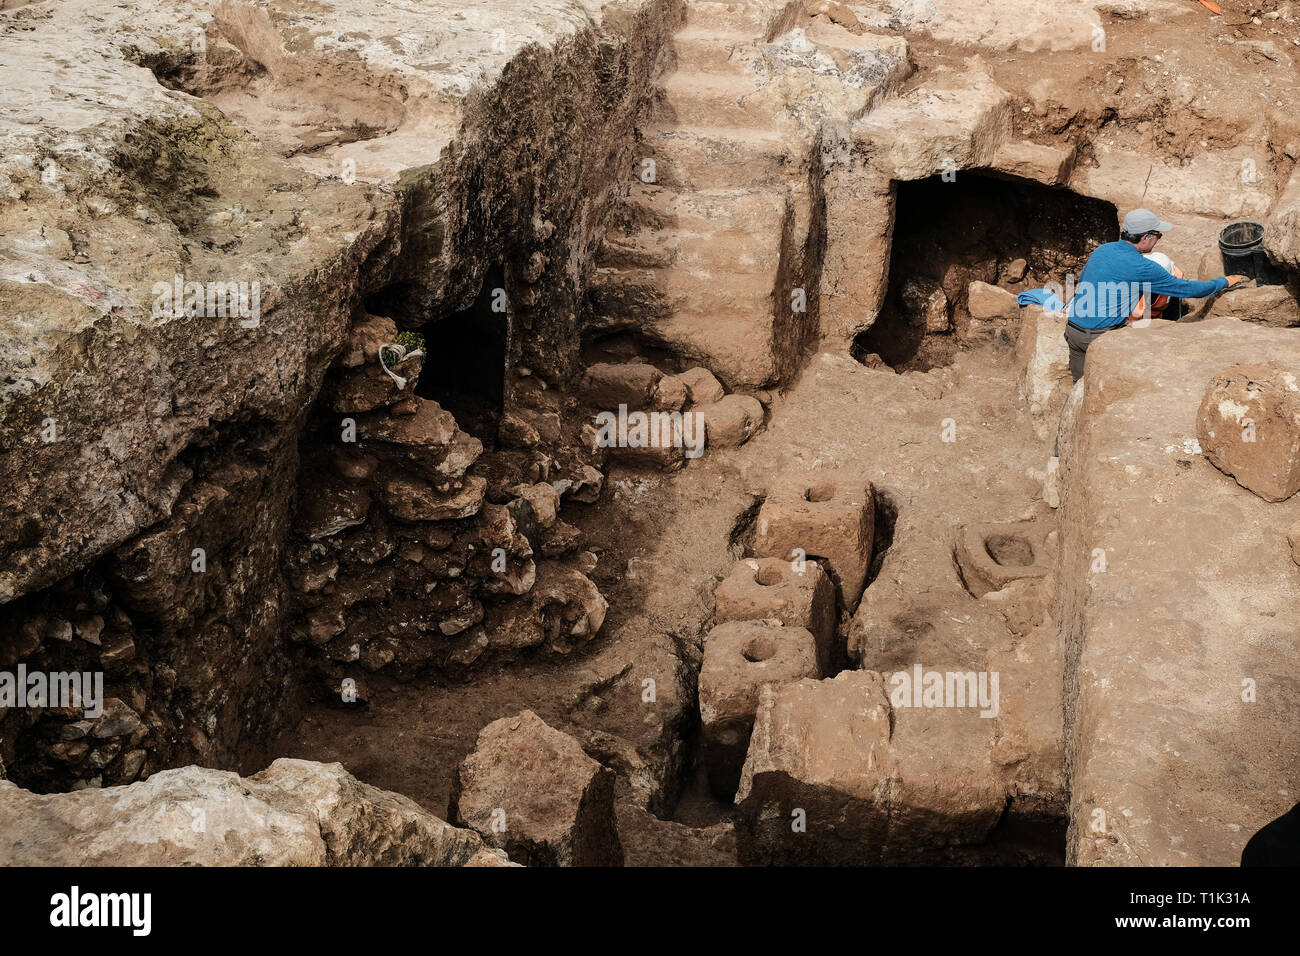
(664, 541)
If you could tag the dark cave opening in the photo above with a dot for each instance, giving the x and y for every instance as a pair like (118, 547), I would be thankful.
(465, 360)
(1012, 233)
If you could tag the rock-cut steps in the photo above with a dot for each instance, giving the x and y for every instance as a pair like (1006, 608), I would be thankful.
(704, 258)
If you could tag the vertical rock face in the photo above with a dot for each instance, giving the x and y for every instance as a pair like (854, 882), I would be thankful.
(174, 291)
(1177, 589)
(1249, 427)
(531, 790)
(717, 252)
(1045, 357)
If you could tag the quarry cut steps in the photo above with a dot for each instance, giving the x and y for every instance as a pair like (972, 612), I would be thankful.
(708, 263)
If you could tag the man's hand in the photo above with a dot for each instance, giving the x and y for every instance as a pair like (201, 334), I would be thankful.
(1234, 281)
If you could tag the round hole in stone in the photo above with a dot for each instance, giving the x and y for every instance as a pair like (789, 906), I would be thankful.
(759, 649)
(823, 491)
(768, 576)
(1009, 550)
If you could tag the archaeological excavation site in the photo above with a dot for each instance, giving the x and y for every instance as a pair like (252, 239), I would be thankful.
(649, 433)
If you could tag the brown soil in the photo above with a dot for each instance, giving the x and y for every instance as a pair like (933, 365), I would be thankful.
(663, 543)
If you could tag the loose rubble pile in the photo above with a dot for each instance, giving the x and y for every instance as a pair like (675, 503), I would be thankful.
(406, 561)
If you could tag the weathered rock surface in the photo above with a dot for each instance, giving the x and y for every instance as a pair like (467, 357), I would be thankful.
(1282, 231)
(1249, 427)
(1041, 350)
(954, 121)
(324, 179)
(702, 388)
(992, 556)
(739, 658)
(758, 589)
(531, 790)
(985, 301)
(607, 385)
(650, 841)
(821, 515)
(731, 421)
(294, 813)
(928, 301)
(1274, 305)
(1049, 165)
(1177, 753)
(828, 782)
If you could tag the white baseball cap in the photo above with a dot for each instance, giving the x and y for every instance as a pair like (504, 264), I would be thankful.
(1141, 221)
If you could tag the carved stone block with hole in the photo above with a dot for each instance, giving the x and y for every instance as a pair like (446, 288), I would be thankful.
(992, 556)
(770, 588)
(826, 515)
(739, 658)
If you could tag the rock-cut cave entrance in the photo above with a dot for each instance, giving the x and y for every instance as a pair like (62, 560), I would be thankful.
(465, 359)
(1012, 233)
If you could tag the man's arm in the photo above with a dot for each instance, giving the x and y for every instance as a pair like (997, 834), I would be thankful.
(1163, 283)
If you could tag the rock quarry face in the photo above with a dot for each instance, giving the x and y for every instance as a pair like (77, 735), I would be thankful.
(196, 416)
(573, 417)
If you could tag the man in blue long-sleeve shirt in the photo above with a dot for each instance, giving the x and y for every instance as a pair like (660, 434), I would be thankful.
(1117, 276)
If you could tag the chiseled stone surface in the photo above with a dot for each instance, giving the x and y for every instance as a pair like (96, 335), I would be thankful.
(1181, 658)
(867, 782)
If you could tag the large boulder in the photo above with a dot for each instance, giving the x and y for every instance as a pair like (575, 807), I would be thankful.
(731, 421)
(1249, 427)
(844, 772)
(294, 813)
(607, 385)
(532, 791)
(702, 388)
(1272, 305)
(1049, 165)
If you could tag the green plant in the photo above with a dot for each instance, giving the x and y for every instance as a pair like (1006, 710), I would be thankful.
(411, 341)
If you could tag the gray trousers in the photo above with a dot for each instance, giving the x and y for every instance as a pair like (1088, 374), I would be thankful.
(1079, 340)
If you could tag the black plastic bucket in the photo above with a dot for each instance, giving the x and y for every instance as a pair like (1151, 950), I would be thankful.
(1241, 245)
